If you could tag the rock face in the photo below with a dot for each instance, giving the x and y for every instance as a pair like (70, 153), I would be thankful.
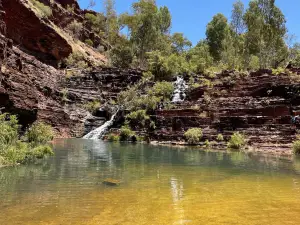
(260, 105)
(33, 33)
(32, 90)
(101, 85)
(29, 86)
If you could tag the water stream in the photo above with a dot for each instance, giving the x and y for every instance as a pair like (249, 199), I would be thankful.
(100, 131)
(180, 89)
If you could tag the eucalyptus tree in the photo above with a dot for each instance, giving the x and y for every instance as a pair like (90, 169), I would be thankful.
(266, 28)
(215, 34)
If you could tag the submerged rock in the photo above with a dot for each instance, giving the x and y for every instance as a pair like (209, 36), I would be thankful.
(111, 182)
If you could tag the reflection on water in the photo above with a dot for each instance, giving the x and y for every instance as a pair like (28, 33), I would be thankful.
(160, 185)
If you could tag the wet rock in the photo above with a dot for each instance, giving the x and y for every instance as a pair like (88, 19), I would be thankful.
(111, 182)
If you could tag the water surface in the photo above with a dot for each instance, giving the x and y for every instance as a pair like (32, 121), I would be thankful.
(160, 185)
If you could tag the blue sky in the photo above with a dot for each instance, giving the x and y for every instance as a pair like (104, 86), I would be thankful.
(191, 16)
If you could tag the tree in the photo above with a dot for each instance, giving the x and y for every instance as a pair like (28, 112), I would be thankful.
(146, 25)
(112, 28)
(215, 33)
(180, 44)
(199, 57)
(295, 55)
(237, 23)
(265, 32)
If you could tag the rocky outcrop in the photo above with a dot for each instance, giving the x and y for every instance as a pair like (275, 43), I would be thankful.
(33, 33)
(101, 85)
(260, 105)
(32, 90)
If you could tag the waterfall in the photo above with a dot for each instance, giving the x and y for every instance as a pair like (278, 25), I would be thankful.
(179, 92)
(100, 131)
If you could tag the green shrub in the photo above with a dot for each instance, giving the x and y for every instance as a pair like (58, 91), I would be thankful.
(39, 134)
(121, 56)
(14, 151)
(165, 67)
(75, 28)
(64, 95)
(97, 22)
(89, 42)
(40, 152)
(193, 135)
(138, 118)
(207, 144)
(220, 138)
(163, 89)
(278, 71)
(125, 133)
(76, 60)
(296, 147)
(254, 63)
(8, 130)
(113, 138)
(237, 141)
(45, 11)
(92, 106)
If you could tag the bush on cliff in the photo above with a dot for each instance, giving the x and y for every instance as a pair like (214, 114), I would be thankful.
(125, 133)
(44, 11)
(163, 89)
(138, 118)
(193, 135)
(92, 106)
(237, 141)
(30, 147)
(296, 147)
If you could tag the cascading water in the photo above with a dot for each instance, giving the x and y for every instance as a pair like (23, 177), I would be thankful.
(179, 92)
(100, 131)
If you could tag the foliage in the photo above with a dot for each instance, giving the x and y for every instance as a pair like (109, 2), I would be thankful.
(296, 147)
(237, 141)
(165, 67)
(207, 144)
(45, 11)
(92, 106)
(125, 133)
(254, 63)
(32, 146)
(278, 71)
(121, 54)
(113, 138)
(216, 32)
(39, 134)
(220, 138)
(8, 130)
(146, 26)
(163, 89)
(76, 60)
(64, 93)
(200, 58)
(138, 118)
(180, 44)
(193, 135)
(89, 42)
(75, 28)
(96, 22)
(265, 32)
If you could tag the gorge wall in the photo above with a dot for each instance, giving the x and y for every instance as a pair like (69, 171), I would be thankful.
(261, 105)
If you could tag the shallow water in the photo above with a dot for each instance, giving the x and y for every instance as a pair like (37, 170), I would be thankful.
(160, 185)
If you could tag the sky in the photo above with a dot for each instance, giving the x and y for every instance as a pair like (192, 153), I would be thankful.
(191, 16)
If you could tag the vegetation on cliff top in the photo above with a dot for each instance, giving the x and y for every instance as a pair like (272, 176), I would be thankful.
(16, 149)
(253, 37)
